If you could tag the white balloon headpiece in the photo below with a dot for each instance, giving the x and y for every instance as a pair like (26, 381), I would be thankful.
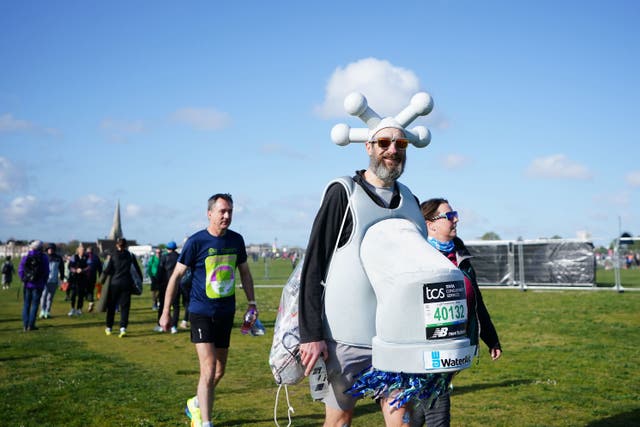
(356, 104)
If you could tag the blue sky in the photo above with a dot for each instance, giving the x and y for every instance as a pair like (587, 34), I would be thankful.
(160, 104)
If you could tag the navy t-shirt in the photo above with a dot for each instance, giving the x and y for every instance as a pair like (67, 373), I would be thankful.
(213, 261)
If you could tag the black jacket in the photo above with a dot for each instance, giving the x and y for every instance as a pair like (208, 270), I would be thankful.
(165, 268)
(119, 268)
(483, 326)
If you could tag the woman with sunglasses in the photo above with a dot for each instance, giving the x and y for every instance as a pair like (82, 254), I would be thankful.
(442, 224)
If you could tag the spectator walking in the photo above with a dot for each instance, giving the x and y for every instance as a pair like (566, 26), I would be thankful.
(442, 222)
(119, 267)
(94, 264)
(165, 270)
(7, 272)
(33, 271)
(56, 274)
(152, 272)
(78, 280)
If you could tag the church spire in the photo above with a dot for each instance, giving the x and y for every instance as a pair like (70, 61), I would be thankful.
(116, 228)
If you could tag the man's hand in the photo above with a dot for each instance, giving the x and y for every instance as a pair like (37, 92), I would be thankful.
(495, 353)
(164, 321)
(309, 353)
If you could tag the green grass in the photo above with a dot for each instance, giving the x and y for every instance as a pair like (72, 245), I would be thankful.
(628, 278)
(570, 359)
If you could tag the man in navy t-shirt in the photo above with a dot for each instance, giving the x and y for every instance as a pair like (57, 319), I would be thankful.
(213, 255)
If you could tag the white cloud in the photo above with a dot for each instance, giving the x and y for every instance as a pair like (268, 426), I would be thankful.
(633, 178)
(21, 210)
(557, 166)
(387, 88)
(202, 118)
(8, 123)
(11, 177)
(455, 161)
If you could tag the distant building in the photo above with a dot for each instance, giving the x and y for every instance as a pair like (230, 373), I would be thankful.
(108, 245)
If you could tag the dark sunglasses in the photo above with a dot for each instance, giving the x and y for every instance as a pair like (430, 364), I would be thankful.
(384, 142)
(448, 215)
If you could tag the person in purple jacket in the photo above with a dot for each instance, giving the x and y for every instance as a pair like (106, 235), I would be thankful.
(33, 271)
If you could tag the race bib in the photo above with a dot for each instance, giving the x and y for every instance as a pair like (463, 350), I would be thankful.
(445, 309)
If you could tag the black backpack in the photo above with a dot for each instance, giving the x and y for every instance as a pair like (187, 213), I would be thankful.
(32, 268)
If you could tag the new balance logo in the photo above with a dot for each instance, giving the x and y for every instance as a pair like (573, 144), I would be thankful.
(440, 333)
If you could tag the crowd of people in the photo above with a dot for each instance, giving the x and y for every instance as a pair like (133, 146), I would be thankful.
(87, 279)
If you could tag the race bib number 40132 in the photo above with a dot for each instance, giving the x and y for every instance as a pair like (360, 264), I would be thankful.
(445, 309)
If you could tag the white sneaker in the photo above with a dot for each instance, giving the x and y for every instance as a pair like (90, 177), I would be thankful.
(78, 312)
(71, 313)
(158, 328)
(174, 330)
(42, 315)
(183, 325)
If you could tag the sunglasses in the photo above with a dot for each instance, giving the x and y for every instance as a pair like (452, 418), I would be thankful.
(384, 142)
(448, 215)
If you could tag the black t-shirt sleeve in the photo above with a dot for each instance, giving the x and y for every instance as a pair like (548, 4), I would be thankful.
(322, 243)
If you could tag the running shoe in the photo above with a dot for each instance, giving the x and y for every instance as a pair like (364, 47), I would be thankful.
(193, 412)
(90, 307)
(107, 331)
(174, 330)
(123, 332)
(158, 328)
(183, 325)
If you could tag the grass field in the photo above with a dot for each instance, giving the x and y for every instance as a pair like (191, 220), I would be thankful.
(570, 359)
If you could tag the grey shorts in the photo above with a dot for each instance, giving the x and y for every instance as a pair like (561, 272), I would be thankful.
(343, 366)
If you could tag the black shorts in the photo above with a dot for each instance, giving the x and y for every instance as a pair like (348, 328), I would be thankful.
(208, 329)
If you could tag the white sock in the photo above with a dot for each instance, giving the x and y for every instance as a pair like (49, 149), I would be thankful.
(206, 424)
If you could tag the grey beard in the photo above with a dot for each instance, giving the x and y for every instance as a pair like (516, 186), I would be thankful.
(388, 176)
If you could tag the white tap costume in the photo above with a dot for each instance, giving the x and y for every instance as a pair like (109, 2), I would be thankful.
(411, 306)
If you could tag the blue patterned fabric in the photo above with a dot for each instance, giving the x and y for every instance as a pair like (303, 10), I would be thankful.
(422, 389)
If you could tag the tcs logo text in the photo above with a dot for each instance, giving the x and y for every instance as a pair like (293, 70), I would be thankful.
(433, 293)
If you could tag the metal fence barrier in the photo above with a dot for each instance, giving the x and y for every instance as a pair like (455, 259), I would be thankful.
(522, 264)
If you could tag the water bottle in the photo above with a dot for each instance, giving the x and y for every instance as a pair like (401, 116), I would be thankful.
(318, 382)
(249, 320)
